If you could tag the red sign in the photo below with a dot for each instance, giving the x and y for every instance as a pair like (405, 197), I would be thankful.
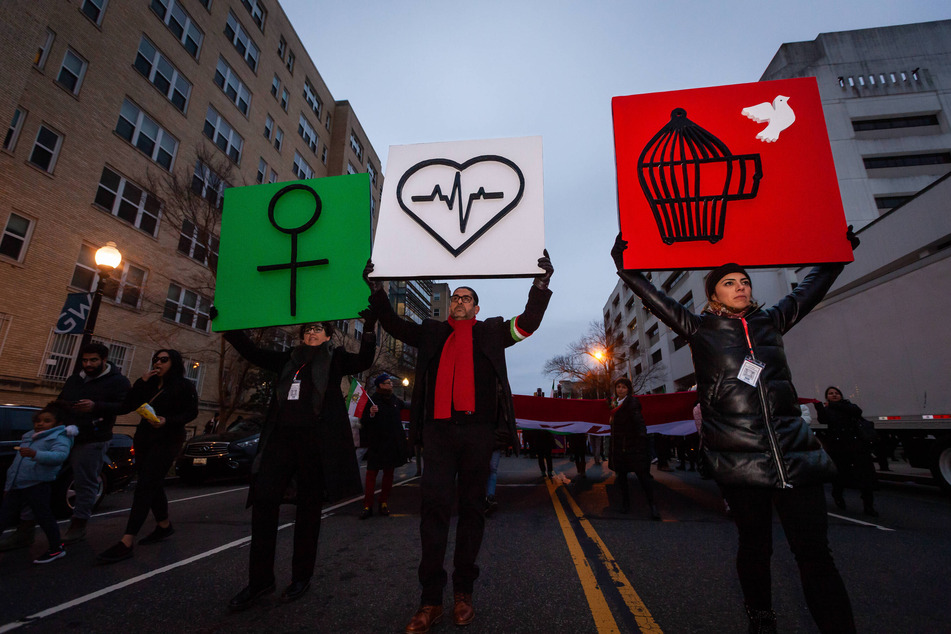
(739, 173)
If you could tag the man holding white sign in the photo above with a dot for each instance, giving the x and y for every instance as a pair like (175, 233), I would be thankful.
(461, 403)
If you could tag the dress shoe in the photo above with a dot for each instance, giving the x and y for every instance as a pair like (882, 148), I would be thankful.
(295, 591)
(423, 620)
(75, 532)
(367, 513)
(462, 612)
(384, 510)
(116, 553)
(246, 598)
(158, 535)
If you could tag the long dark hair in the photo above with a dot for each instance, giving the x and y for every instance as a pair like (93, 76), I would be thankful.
(177, 370)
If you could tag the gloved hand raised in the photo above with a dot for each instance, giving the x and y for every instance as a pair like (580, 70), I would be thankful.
(373, 284)
(617, 252)
(544, 263)
(369, 319)
(852, 238)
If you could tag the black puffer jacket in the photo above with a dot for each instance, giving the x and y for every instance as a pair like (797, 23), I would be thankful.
(752, 436)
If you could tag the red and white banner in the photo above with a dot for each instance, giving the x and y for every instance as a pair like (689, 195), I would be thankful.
(668, 414)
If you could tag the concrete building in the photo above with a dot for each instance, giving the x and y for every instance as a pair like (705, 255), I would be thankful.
(116, 111)
(440, 301)
(886, 98)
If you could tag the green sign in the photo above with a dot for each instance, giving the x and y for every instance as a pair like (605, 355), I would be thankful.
(292, 253)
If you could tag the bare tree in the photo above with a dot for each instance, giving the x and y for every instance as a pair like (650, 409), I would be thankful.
(592, 362)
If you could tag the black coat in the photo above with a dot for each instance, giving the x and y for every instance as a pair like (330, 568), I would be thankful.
(382, 433)
(629, 451)
(337, 456)
(107, 391)
(842, 419)
(176, 400)
(490, 338)
(752, 436)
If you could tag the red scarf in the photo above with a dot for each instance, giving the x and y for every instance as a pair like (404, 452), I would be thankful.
(455, 379)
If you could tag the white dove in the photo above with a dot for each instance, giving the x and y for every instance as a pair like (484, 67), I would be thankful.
(779, 115)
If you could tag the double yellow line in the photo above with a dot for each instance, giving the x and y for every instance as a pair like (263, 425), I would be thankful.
(603, 619)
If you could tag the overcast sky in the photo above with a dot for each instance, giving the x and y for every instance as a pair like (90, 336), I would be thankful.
(420, 72)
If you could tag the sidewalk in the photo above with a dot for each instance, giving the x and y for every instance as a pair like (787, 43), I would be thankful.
(901, 471)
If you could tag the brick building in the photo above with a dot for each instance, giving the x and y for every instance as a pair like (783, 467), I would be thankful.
(114, 108)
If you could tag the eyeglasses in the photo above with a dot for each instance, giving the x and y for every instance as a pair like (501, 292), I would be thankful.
(465, 299)
(310, 329)
(162, 359)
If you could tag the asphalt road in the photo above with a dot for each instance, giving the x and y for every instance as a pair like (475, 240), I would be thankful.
(557, 557)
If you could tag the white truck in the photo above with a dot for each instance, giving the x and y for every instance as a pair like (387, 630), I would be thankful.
(883, 333)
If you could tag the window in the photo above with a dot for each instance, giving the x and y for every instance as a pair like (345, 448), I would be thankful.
(632, 325)
(657, 356)
(194, 371)
(228, 81)
(273, 177)
(310, 96)
(435, 312)
(16, 235)
(892, 123)
(679, 342)
(123, 286)
(209, 185)
(206, 4)
(140, 130)
(372, 173)
(282, 48)
(284, 97)
(62, 349)
(93, 9)
(258, 12)
(242, 41)
(43, 51)
(187, 308)
(71, 72)
(46, 149)
(268, 127)
(307, 132)
(124, 199)
(155, 67)
(673, 279)
(616, 301)
(262, 170)
(13, 132)
(890, 202)
(638, 370)
(180, 23)
(223, 135)
(907, 160)
(301, 169)
(652, 334)
(200, 245)
(327, 123)
(278, 139)
(290, 61)
(275, 86)
(350, 168)
(323, 155)
(356, 147)
(687, 301)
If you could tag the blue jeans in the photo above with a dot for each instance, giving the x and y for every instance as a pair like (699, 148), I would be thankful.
(37, 497)
(493, 472)
(86, 460)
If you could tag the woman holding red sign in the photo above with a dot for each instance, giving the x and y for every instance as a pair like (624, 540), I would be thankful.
(760, 451)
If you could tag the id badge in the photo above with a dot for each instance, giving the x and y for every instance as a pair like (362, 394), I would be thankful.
(750, 371)
(294, 393)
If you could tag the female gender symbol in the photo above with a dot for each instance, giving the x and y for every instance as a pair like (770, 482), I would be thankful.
(293, 265)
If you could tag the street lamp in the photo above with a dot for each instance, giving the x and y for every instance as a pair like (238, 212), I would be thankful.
(601, 355)
(108, 259)
(405, 385)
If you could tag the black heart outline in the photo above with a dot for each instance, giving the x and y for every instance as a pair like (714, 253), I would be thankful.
(461, 167)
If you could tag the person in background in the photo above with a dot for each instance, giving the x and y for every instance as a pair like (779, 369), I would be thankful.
(491, 501)
(628, 449)
(37, 462)
(542, 442)
(211, 427)
(760, 451)
(578, 447)
(158, 440)
(381, 430)
(849, 449)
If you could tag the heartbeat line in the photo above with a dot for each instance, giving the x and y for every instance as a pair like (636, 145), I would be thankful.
(456, 194)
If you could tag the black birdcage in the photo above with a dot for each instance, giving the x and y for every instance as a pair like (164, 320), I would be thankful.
(688, 176)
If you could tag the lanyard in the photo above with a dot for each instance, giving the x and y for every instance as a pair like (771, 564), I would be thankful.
(298, 371)
(746, 330)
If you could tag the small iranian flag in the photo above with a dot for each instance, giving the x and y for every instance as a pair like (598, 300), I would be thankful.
(357, 399)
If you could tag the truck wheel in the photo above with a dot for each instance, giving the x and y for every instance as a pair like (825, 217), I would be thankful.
(941, 465)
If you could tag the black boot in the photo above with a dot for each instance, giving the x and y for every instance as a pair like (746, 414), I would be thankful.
(761, 621)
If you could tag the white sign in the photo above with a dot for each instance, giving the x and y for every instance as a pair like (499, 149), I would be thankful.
(466, 209)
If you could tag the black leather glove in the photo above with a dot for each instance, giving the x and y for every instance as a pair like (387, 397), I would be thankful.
(852, 238)
(369, 319)
(544, 263)
(617, 252)
(212, 312)
(373, 284)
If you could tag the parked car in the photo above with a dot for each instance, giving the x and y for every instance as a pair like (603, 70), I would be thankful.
(228, 454)
(118, 467)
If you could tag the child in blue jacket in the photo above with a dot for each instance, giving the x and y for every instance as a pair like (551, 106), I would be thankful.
(30, 478)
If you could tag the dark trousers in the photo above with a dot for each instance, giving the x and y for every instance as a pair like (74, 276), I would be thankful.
(289, 451)
(152, 462)
(802, 513)
(646, 481)
(457, 462)
(37, 497)
(854, 467)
